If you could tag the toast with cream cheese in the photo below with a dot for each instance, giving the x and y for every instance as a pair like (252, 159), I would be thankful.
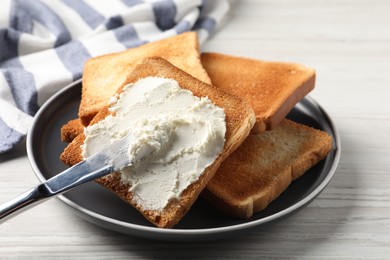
(239, 119)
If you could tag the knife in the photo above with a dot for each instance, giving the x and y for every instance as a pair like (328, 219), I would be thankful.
(113, 158)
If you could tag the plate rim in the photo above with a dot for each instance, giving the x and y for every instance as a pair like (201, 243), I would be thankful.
(146, 231)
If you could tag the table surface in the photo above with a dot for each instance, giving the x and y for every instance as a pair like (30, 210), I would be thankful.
(348, 43)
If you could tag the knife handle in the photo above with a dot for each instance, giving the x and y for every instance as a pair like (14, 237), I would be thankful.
(78, 174)
(22, 202)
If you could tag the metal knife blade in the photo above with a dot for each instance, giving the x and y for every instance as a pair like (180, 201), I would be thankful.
(112, 158)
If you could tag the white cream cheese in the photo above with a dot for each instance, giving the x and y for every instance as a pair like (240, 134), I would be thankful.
(157, 111)
(145, 140)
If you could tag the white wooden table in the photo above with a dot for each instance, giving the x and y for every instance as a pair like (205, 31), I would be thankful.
(348, 42)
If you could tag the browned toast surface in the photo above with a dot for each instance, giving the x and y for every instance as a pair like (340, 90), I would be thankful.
(271, 88)
(239, 120)
(102, 75)
(264, 166)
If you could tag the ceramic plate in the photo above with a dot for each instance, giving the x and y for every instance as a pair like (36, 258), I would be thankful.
(103, 208)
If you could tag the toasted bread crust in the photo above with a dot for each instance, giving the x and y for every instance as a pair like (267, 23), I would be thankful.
(102, 75)
(72, 153)
(70, 130)
(271, 88)
(264, 166)
(240, 119)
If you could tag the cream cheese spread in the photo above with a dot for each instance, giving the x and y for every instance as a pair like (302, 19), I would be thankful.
(145, 140)
(186, 134)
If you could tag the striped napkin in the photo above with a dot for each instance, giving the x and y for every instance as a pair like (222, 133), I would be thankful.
(44, 44)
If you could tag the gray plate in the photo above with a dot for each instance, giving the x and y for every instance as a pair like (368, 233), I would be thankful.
(202, 222)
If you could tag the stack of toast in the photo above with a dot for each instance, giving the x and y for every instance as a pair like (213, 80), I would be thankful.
(263, 151)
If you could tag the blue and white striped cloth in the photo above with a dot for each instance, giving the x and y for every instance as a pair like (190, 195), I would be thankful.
(44, 44)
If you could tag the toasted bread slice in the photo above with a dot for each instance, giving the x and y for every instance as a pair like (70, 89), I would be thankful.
(102, 75)
(264, 166)
(271, 88)
(240, 119)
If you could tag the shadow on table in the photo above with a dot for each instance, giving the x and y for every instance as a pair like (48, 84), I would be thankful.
(293, 236)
